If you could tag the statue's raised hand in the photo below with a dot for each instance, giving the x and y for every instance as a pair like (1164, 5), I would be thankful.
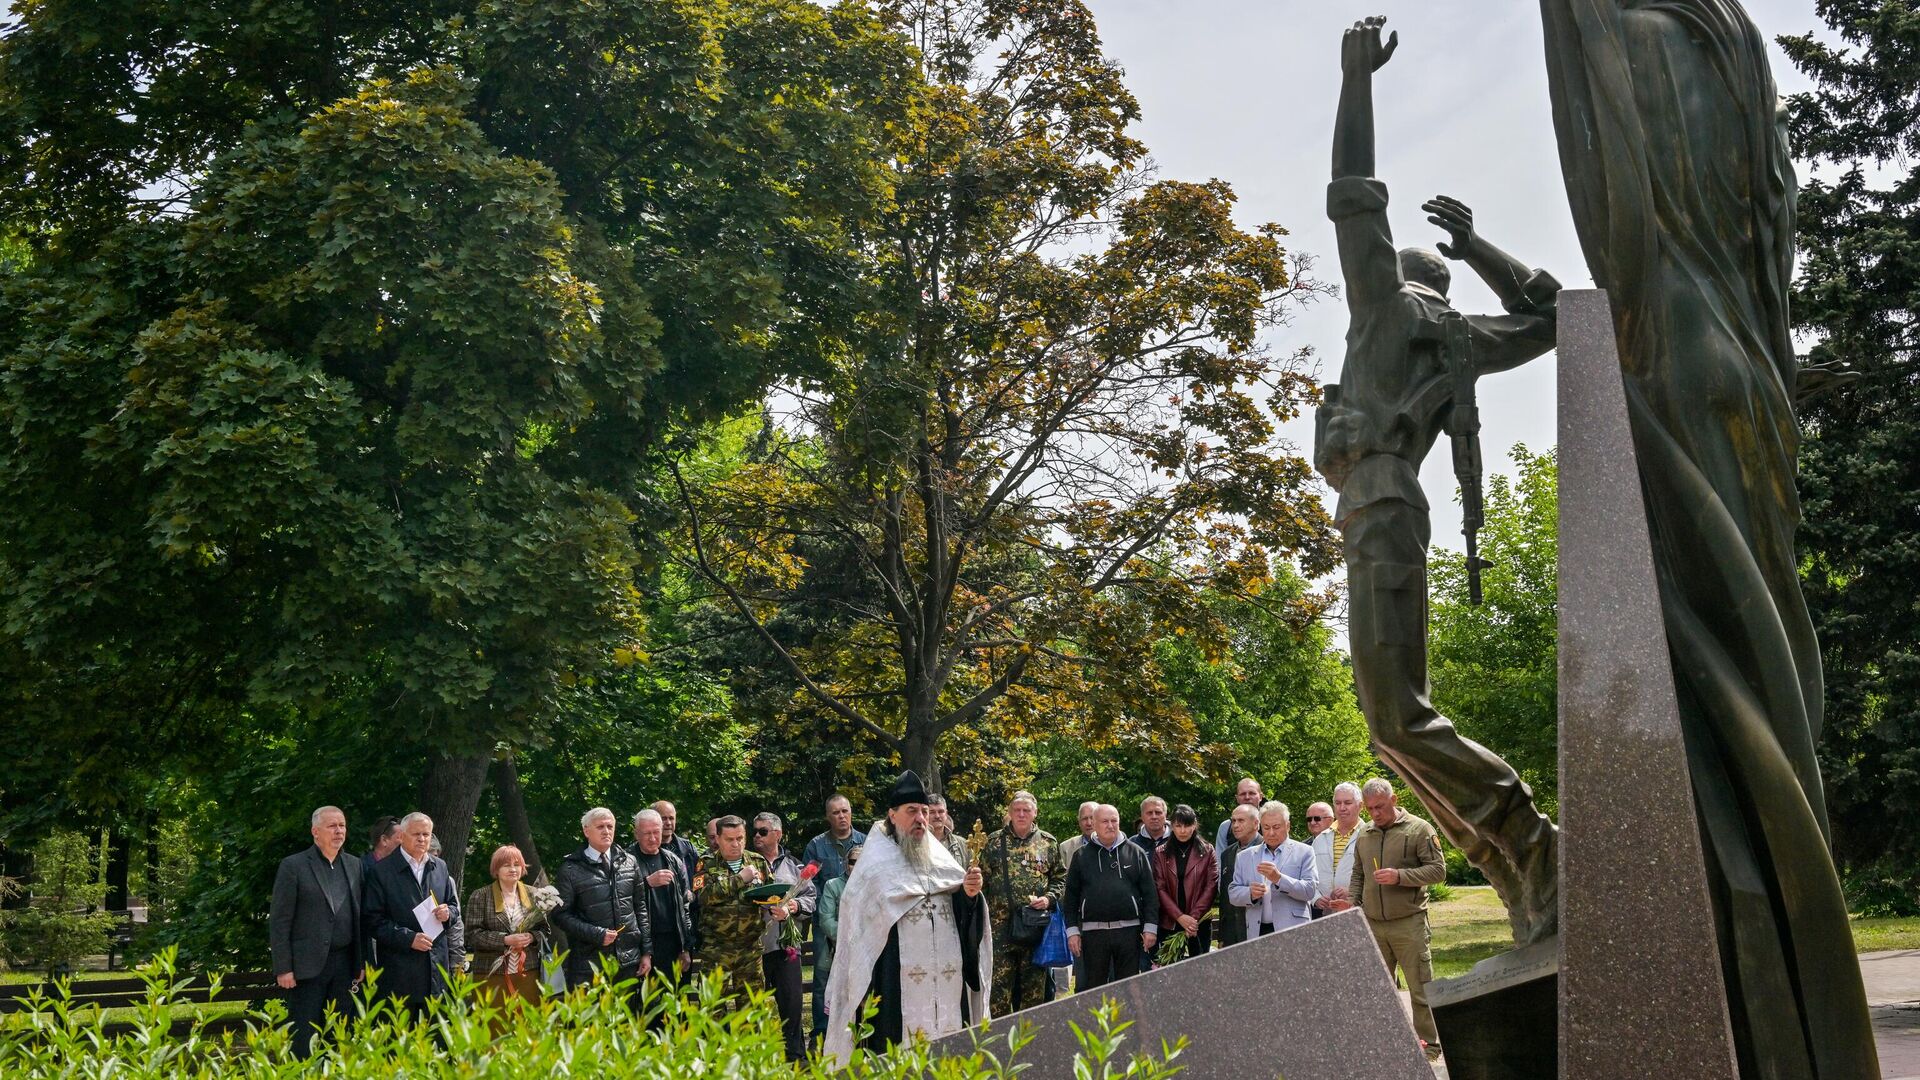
(1361, 50)
(1457, 218)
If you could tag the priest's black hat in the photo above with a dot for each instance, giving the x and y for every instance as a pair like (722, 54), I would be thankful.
(907, 789)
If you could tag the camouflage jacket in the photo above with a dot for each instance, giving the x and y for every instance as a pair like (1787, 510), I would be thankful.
(730, 924)
(1016, 869)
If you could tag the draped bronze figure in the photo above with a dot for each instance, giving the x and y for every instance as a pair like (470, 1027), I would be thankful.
(1683, 195)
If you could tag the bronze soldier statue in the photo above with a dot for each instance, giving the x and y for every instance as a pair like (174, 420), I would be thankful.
(1400, 386)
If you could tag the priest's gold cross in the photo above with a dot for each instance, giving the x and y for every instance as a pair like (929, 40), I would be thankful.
(976, 843)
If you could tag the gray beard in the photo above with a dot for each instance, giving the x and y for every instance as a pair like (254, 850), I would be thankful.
(918, 853)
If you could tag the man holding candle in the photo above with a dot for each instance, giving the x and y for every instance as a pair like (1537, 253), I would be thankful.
(1396, 856)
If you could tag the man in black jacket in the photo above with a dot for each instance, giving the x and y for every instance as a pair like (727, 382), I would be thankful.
(1111, 906)
(602, 910)
(313, 927)
(414, 955)
(689, 854)
(666, 885)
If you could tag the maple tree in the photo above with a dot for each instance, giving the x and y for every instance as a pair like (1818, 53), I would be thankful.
(1056, 437)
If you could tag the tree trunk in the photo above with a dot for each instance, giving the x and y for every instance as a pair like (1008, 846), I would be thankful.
(449, 794)
(513, 810)
(119, 864)
(917, 752)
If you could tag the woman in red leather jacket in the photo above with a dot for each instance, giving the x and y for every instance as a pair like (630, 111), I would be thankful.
(1188, 879)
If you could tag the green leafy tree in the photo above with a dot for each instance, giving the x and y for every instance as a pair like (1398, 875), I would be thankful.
(1049, 449)
(1278, 705)
(1860, 458)
(343, 338)
(62, 922)
(1494, 666)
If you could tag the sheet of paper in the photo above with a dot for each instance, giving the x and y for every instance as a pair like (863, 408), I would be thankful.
(423, 914)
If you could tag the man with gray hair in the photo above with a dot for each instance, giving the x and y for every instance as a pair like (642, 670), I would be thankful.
(779, 965)
(1274, 880)
(415, 953)
(603, 910)
(1111, 904)
(1396, 856)
(1333, 847)
(1024, 877)
(313, 927)
(666, 887)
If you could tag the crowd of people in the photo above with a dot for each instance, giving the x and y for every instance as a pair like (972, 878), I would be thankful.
(945, 910)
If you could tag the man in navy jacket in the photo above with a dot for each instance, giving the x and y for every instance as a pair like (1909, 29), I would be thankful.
(413, 964)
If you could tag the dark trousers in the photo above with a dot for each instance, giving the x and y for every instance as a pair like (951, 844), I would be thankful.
(308, 1000)
(1110, 955)
(666, 959)
(783, 978)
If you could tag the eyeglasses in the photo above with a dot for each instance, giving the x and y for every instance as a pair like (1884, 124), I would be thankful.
(1316, 817)
(761, 832)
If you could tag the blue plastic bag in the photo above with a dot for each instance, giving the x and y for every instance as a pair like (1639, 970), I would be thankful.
(1052, 950)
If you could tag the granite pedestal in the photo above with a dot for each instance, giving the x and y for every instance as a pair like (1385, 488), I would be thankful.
(1265, 1008)
(1640, 987)
(1500, 1021)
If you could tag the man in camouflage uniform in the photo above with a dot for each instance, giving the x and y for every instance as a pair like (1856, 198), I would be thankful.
(731, 925)
(941, 824)
(1023, 870)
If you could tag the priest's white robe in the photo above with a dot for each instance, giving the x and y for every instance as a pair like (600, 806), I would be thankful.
(887, 894)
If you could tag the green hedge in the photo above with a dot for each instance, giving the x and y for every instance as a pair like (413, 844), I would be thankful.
(590, 1033)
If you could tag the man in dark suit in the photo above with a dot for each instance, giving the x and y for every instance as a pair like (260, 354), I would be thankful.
(313, 927)
(413, 963)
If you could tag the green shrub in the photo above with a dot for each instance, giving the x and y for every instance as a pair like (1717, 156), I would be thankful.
(589, 1033)
(167, 884)
(1459, 870)
(1887, 887)
(62, 922)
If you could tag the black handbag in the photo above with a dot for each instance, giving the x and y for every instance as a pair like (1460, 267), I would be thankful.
(1028, 925)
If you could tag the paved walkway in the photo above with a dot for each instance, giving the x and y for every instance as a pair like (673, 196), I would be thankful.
(1893, 992)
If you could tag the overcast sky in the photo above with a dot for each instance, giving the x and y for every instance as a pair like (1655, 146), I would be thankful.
(1245, 90)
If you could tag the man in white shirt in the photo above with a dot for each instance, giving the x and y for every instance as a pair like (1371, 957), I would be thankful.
(1275, 880)
(1333, 847)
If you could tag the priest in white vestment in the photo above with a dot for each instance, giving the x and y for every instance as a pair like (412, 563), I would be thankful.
(914, 934)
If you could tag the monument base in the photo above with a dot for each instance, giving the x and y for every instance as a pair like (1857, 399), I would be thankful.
(1500, 1021)
(1311, 1003)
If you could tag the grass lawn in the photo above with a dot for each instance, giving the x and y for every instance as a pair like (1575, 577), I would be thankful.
(1881, 933)
(1467, 929)
(1473, 926)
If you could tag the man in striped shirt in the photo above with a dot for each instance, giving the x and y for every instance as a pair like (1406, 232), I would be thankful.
(1332, 846)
